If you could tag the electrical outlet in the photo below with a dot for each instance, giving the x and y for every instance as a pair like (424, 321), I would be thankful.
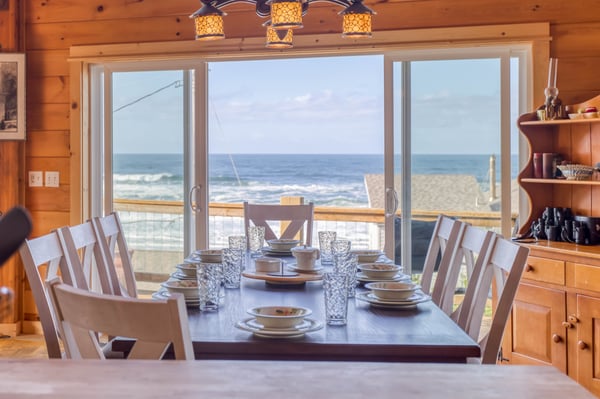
(52, 179)
(35, 179)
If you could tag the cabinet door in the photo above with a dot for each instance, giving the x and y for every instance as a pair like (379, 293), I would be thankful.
(536, 334)
(588, 343)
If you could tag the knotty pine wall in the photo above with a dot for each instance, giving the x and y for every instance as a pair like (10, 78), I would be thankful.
(50, 27)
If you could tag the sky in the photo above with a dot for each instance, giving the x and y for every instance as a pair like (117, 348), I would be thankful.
(316, 105)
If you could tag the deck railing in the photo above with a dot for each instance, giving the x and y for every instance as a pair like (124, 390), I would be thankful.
(154, 229)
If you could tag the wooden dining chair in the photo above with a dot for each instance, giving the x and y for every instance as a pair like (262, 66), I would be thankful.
(87, 258)
(444, 241)
(300, 218)
(472, 247)
(44, 258)
(501, 272)
(154, 324)
(118, 257)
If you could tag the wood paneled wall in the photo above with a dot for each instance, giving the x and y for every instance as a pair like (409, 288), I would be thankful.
(52, 26)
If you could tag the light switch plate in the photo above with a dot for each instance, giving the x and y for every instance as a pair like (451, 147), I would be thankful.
(35, 178)
(52, 179)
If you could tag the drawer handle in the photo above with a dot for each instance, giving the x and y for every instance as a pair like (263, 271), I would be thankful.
(529, 268)
(573, 319)
(556, 338)
(582, 345)
(566, 324)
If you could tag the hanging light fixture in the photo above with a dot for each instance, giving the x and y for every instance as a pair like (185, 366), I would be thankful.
(357, 20)
(279, 38)
(209, 22)
(284, 15)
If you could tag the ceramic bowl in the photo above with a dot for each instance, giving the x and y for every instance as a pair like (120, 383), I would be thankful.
(392, 291)
(576, 172)
(578, 115)
(267, 265)
(279, 316)
(210, 255)
(367, 255)
(187, 269)
(590, 115)
(283, 244)
(383, 271)
(189, 288)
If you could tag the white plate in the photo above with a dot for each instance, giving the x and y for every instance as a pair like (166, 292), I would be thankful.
(314, 270)
(276, 252)
(360, 276)
(373, 301)
(252, 326)
(180, 276)
(166, 295)
(417, 297)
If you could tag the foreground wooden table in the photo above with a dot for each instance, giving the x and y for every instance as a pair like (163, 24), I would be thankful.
(260, 380)
(425, 334)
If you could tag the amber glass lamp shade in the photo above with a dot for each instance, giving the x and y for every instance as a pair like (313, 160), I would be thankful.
(209, 23)
(286, 14)
(279, 38)
(357, 21)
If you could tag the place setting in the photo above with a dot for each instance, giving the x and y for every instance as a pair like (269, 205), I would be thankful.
(393, 295)
(374, 272)
(276, 271)
(279, 322)
(280, 247)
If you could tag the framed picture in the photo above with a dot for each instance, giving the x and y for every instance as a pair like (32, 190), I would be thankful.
(12, 96)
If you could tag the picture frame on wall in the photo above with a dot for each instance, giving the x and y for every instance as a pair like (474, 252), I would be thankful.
(12, 96)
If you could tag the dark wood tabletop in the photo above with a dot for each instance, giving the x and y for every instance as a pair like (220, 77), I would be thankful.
(424, 334)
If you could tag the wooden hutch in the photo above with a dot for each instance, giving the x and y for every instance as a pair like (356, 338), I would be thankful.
(556, 314)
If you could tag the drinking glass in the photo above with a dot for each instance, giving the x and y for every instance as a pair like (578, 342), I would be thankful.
(209, 277)
(232, 267)
(256, 240)
(325, 239)
(240, 243)
(347, 264)
(340, 247)
(336, 298)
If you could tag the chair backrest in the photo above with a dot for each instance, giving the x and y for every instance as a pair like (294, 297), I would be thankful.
(43, 258)
(471, 250)
(442, 245)
(154, 324)
(300, 218)
(504, 264)
(118, 257)
(86, 255)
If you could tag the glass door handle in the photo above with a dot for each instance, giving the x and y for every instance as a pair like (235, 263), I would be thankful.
(194, 205)
(391, 202)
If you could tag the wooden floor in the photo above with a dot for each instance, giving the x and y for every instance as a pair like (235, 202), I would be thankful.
(24, 347)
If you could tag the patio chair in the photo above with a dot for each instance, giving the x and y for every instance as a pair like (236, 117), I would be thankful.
(300, 218)
(154, 324)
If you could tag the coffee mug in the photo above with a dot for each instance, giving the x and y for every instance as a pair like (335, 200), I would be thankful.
(306, 257)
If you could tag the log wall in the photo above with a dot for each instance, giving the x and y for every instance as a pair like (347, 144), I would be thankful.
(49, 27)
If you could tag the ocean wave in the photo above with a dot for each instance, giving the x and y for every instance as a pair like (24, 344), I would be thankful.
(146, 178)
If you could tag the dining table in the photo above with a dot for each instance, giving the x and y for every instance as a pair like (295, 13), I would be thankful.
(65, 379)
(420, 334)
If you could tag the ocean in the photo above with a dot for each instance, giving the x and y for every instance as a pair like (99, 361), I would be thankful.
(327, 180)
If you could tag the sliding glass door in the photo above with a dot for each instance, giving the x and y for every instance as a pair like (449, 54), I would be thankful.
(451, 147)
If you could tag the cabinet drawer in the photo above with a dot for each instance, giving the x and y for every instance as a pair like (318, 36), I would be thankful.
(545, 270)
(582, 276)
